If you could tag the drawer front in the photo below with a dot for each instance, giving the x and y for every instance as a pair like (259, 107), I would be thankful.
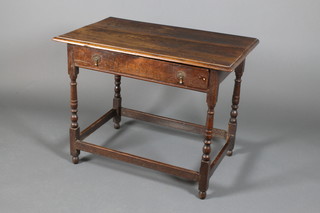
(142, 68)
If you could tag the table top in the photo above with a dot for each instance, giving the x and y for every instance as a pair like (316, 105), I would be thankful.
(188, 46)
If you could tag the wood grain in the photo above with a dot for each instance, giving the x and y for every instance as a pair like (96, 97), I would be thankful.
(142, 68)
(171, 123)
(186, 46)
(137, 160)
(180, 57)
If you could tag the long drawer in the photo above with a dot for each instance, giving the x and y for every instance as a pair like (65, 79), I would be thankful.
(162, 72)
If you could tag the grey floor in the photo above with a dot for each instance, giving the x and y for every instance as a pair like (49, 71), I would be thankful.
(275, 167)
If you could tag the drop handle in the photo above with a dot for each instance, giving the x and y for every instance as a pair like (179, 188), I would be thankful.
(180, 76)
(180, 79)
(96, 59)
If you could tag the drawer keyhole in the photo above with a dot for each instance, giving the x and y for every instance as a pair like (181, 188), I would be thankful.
(96, 59)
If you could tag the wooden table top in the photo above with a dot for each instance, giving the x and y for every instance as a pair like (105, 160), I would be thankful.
(192, 47)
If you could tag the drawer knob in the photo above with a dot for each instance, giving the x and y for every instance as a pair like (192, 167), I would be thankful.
(202, 78)
(180, 76)
(96, 59)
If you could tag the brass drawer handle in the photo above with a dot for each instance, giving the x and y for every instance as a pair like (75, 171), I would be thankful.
(181, 76)
(96, 59)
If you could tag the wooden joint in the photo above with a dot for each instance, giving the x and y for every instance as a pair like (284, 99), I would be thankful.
(97, 124)
(116, 103)
(209, 132)
(215, 163)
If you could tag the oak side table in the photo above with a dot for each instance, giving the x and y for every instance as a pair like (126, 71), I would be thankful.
(179, 57)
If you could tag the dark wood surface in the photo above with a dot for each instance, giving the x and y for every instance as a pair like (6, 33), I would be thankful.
(171, 123)
(117, 101)
(212, 97)
(186, 46)
(74, 130)
(147, 69)
(232, 126)
(137, 160)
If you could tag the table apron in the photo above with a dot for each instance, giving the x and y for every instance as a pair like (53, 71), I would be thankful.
(163, 72)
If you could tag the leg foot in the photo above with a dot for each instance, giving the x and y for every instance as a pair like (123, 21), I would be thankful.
(232, 126)
(229, 153)
(75, 160)
(116, 125)
(202, 195)
(204, 171)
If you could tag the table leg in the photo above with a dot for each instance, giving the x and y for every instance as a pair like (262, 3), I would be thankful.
(232, 127)
(117, 101)
(74, 128)
(205, 161)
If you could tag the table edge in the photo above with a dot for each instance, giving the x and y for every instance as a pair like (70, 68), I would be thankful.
(159, 56)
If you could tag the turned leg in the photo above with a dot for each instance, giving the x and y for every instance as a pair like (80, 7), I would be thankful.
(205, 160)
(117, 101)
(74, 128)
(232, 127)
